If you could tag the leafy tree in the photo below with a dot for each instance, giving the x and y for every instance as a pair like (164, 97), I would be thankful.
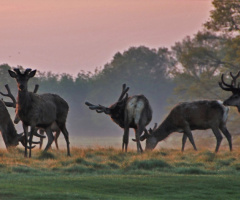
(200, 59)
(225, 16)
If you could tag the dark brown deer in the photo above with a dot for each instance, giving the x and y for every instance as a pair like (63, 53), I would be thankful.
(197, 115)
(9, 133)
(39, 111)
(128, 112)
(234, 99)
(12, 104)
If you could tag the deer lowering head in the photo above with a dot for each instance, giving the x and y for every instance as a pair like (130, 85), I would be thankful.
(234, 87)
(9, 133)
(197, 115)
(39, 111)
(128, 112)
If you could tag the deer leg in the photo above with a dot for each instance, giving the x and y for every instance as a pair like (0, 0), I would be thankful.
(41, 139)
(65, 133)
(125, 138)
(227, 135)
(184, 139)
(25, 129)
(218, 137)
(138, 132)
(57, 133)
(50, 138)
(188, 132)
(33, 130)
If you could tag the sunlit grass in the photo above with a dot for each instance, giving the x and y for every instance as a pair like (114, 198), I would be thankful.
(109, 173)
(110, 160)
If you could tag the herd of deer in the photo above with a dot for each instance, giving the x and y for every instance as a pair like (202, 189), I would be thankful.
(48, 113)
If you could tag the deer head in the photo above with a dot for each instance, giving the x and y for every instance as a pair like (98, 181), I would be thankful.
(14, 102)
(234, 99)
(22, 78)
(151, 140)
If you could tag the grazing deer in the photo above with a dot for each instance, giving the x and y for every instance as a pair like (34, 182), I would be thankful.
(234, 99)
(39, 111)
(9, 133)
(197, 115)
(128, 112)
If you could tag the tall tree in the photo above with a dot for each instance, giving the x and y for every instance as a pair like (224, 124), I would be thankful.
(225, 16)
(200, 60)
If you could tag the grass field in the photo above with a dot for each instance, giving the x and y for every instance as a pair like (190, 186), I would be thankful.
(107, 173)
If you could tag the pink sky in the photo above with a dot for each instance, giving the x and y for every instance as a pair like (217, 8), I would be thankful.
(74, 35)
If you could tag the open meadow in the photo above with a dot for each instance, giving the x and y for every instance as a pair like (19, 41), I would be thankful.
(108, 173)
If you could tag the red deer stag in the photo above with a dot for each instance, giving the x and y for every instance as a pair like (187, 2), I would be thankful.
(12, 104)
(128, 112)
(39, 111)
(234, 99)
(197, 115)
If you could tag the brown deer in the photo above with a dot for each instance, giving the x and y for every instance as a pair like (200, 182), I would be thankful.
(7, 128)
(12, 104)
(197, 115)
(128, 112)
(39, 111)
(9, 133)
(234, 99)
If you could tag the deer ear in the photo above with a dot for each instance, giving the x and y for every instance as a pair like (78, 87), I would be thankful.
(12, 74)
(32, 73)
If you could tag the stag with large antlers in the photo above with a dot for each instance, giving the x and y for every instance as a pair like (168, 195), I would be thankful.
(234, 87)
(128, 112)
(39, 111)
(197, 115)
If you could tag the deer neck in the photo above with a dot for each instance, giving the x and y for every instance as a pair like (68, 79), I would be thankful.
(164, 130)
(23, 100)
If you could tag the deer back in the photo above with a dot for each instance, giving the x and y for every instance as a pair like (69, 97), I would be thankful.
(138, 110)
(199, 114)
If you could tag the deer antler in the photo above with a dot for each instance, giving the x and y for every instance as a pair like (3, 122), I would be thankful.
(27, 71)
(36, 88)
(124, 91)
(230, 87)
(17, 70)
(99, 108)
(10, 95)
(148, 133)
(234, 81)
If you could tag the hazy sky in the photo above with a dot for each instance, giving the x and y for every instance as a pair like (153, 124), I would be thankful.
(73, 35)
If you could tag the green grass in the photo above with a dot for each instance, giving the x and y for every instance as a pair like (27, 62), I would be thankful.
(107, 173)
(77, 186)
